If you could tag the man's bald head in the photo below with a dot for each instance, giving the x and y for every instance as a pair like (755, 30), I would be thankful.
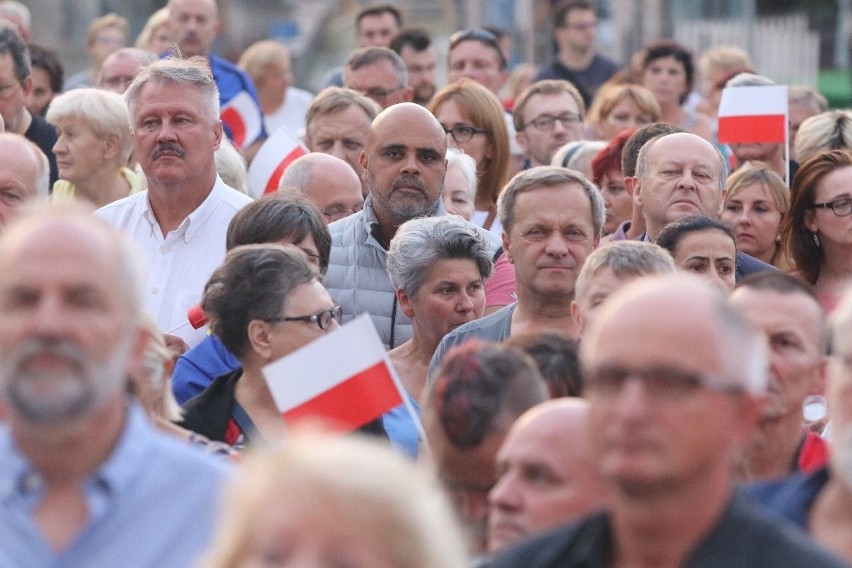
(547, 476)
(404, 164)
(326, 180)
(24, 175)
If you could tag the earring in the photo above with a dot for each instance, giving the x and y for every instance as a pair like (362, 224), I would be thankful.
(777, 240)
(816, 240)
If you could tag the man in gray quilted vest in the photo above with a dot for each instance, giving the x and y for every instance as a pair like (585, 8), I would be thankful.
(404, 166)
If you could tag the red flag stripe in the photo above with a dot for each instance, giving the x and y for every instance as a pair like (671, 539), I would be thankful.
(752, 129)
(232, 118)
(272, 184)
(354, 402)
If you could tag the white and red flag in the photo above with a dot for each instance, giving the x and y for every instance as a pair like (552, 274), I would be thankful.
(272, 159)
(753, 115)
(244, 119)
(344, 378)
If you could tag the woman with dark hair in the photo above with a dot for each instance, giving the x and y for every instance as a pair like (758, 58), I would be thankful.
(817, 231)
(666, 69)
(704, 247)
(264, 302)
(476, 124)
(274, 218)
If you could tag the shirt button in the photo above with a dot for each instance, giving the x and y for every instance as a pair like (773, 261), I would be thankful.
(164, 250)
(155, 290)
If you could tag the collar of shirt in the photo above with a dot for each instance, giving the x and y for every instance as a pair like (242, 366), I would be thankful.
(195, 220)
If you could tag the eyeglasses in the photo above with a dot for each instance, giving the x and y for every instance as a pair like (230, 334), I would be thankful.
(547, 122)
(380, 94)
(841, 207)
(323, 319)
(660, 383)
(463, 133)
(480, 35)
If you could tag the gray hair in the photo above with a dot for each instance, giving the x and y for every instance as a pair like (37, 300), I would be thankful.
(548, 176)
(624, 258)
(231, 166)
(365, 56)
(745, 351)
(14, 9)
(467, 166)
(578, 155)
(807, 96)
(746, 79)
(193, 71)
(420, 243)
(104, 112)
(642, 160)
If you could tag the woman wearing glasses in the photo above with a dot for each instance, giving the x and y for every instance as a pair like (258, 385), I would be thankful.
(818, 229)
(438, 266)
(476, 124)
(264, 302)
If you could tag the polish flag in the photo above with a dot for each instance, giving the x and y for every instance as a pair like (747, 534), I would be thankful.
(344, 378)
(244, 119)
(272, 159)
(753, 114)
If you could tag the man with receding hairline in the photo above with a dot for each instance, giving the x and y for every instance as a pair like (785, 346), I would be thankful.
(326, 180)
(24, 175)
(86, 479)
(673, 378)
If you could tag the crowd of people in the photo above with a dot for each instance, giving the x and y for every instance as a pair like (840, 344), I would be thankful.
(611, 352)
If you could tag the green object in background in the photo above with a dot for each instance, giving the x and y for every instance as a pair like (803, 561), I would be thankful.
(836, 86)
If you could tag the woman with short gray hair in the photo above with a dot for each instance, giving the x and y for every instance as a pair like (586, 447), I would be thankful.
(438, 266)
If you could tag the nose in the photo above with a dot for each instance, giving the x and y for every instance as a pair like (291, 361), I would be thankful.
(744, 217)
(465, 303)
(166, 132)
(556, 245)
(59, 146)
(47, 318)
(632, 401)
(410, 164)
(504, 495)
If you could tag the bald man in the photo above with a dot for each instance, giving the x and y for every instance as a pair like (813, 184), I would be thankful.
(547, 476)
(404, 167)
(326, 180)
(682, 175)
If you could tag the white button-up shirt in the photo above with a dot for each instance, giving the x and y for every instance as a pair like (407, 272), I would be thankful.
(181, 262)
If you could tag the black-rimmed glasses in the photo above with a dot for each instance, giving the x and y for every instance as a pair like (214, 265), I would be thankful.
(547, 122)
(323, 319)
(463, 133)
(841, 207)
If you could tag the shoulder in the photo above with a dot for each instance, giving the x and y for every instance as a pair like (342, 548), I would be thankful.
(748, 536)
(231, 197)
(118, 212)
(747, 265)
(584, 543)
(493, 327)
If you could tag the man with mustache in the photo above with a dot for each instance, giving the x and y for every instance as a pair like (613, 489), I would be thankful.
(404, 166)
(788, 312)
(181, 220)
(552, 219)
(81, 462)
